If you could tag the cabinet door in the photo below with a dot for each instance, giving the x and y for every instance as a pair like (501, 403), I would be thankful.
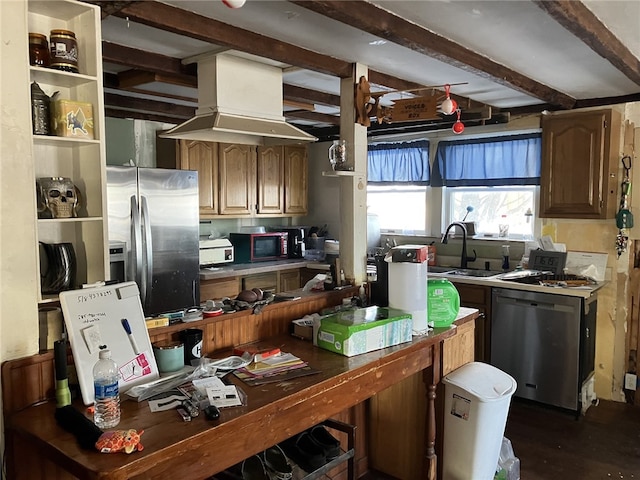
(270, 181)
(237, 165)
(202, 157)
(579, 153)
(289, 280)
(295, 179)
(478, 296)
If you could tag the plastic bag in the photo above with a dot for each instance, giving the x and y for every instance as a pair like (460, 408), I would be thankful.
(508, 463)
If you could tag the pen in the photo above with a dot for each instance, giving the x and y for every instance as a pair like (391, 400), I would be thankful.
(132, 340)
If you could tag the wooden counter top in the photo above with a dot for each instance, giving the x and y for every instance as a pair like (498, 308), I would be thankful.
(236, 270)
(274, 412)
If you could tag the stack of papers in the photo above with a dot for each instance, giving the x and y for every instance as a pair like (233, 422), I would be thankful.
(282, 366)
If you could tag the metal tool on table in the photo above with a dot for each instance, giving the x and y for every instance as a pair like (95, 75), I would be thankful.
(624, 217)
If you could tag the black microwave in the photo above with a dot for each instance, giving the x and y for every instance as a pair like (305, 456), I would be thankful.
(259, 247)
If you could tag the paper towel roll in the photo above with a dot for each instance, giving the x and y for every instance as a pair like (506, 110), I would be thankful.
(408, 292)
(50, 322)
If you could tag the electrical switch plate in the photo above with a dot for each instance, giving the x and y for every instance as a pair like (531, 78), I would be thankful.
(630, 381)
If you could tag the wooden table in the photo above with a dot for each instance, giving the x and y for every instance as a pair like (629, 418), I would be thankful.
(274, 412)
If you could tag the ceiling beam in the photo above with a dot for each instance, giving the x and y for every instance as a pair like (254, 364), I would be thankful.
(182, 22)
(313, 116)
(109, 7)
(384, 24)
(143, 60)
(125, 102)
(301, 94)
(582, 22)
(151, 117)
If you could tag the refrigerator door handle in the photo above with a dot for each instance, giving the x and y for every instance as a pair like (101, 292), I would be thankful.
(136, 247)
(148, 242)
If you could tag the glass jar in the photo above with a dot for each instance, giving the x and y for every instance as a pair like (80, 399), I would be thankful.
(64, 50)
(38, 50)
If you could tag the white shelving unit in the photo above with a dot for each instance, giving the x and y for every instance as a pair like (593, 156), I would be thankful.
(81, 160)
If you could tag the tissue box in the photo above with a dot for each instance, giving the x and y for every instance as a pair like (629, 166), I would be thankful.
(72, 119)
(363, 330)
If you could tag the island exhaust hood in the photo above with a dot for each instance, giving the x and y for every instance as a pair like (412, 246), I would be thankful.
(239, 101)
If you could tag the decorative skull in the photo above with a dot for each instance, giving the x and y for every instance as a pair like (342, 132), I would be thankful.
(58, 197)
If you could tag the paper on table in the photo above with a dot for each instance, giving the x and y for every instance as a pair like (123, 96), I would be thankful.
(588, 264)
(226, 396)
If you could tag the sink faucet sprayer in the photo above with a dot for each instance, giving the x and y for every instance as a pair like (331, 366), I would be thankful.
(463, 256)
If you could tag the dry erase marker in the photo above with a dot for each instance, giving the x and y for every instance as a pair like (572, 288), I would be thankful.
(132, 340)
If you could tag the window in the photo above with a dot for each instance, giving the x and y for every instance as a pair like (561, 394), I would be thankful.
(400, 208)
(397, 177)
(492, 206)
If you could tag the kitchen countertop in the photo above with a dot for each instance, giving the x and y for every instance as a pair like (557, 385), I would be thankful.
(496, 282)
(239, 269)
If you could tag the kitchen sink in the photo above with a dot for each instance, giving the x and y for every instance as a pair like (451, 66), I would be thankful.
(435, 269)
(471, 272)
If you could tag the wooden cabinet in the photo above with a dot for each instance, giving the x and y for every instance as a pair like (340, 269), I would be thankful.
(270, 176)
(580, 164)
(78, 157)
(295, 179)
(245, 180)
(289, 280)
(478, 296)
(202, 157)
(237, 165)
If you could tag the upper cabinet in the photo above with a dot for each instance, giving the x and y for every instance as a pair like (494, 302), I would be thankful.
(202, 157)
(69, 163)
(237, 165)
(295, 179)
(247, 181)
(579, 164)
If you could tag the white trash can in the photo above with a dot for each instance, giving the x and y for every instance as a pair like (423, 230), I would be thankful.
(477, 399)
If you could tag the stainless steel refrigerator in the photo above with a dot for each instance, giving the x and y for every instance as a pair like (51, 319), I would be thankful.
(155, 213)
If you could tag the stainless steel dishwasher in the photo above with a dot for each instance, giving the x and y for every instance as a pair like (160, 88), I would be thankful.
(546, 342)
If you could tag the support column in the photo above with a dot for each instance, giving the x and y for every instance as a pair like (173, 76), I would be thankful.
(353, 188)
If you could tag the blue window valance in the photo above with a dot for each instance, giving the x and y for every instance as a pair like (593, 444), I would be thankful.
(496, 161)
(395, 163)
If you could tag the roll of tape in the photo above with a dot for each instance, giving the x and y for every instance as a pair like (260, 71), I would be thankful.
(50, 322)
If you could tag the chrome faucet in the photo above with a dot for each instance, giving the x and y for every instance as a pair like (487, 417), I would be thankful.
(463, 256)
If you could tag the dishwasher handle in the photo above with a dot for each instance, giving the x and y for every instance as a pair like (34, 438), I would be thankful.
(524, 303)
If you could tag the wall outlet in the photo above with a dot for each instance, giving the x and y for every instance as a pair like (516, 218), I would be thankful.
(630, 381)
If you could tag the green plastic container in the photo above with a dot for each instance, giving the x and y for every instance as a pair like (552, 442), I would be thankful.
(443, 302)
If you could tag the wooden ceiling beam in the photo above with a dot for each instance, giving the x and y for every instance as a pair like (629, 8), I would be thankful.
(135, 115)
(126, 102)
(143, 60)
(182, 22)
(372, 19)
(582, 22)
(313, 116)
(135, 78)
(301, 94)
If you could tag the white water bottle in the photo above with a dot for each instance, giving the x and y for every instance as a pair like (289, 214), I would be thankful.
(107, 396)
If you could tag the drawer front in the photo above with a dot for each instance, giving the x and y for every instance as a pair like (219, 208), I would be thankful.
(217, 289)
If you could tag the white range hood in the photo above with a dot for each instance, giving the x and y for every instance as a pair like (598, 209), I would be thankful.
(239, 101)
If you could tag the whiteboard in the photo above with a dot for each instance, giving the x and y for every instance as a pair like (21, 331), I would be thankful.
(97, 316)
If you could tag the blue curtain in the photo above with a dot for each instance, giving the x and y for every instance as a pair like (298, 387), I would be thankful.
(497, 161)
(394, 163)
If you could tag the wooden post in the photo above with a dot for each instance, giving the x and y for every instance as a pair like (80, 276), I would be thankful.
(353, 189)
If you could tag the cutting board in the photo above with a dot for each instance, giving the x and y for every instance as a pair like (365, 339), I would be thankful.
(96, 316)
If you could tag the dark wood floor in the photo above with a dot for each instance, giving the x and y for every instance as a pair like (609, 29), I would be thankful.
(552, 444)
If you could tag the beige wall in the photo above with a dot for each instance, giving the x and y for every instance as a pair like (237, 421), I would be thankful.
(18, 284)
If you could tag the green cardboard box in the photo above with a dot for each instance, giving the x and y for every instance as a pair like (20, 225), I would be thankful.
(363, 330)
